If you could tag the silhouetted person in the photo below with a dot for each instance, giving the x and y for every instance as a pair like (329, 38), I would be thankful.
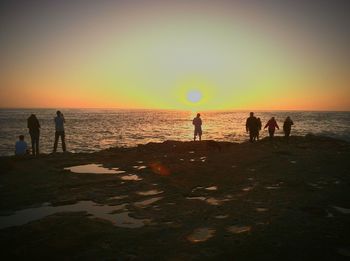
(287, 126)
(34, 131)
(21, 147)
(197, 122)
(259, 128)
(252, 127)
(59, 125)
(272, 125)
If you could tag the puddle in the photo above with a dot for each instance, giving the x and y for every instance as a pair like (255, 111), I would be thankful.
(140, 162)
(196, 188)
(272, 187)
(149, 192)
(221, 216)
(210, 201)
(239, 229)
(247, 189)
(262, 209)
(199, 198)
(119, 197)
(104, 212)
(212, 188)
(132, 177)
(275, 186)
(147, 202)
(139, 167)
(94, 169)
(293, 162)
(191, 152)
(181, 159)
(342, 210)
(201, 235)
(214, 201)
(191, 160)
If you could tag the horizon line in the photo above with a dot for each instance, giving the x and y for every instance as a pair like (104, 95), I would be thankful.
(158, 109)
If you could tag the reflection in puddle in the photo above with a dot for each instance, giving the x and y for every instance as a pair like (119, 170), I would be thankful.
(199, 198)
(147, 202)
(212, 188)
(214, 201)
(119, 197)
(239, 229)
(273, 187)
(211, 200)
(201, 235)
(247, 189)
(262, 209)
(196, 188)
(139, 167)
(314, 185)
(104, 212)
(342, 210)
(149, 192)
(221, 216)
(94, 169)
(131, 177)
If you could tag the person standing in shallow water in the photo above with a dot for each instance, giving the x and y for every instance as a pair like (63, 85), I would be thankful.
(287, 127)
(272, 125)
(197, 122)
(59, 126)
(34, 131)
(252, 126)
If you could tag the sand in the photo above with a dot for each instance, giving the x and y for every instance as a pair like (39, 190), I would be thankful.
(181, 201)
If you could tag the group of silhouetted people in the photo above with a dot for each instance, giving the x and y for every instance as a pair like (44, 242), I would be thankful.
(253, 126)
(21, 147)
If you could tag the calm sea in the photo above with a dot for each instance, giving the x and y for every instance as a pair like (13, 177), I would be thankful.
(89, 130)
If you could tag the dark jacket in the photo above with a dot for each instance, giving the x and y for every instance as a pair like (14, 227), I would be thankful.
(33, 124)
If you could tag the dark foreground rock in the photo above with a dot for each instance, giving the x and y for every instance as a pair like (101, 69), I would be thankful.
(187, 201)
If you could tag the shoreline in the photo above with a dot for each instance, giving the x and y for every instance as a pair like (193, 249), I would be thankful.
(279, 139)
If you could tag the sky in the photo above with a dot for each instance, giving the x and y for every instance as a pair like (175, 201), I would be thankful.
(186, 55)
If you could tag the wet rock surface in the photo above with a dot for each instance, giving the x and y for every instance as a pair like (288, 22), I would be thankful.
(277, 201)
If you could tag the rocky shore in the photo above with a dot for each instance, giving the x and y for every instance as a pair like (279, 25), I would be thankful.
(181, 201)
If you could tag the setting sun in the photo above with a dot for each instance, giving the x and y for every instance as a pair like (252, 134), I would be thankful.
(194, 96)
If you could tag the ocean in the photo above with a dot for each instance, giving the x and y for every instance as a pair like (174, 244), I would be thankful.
(89, 130)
